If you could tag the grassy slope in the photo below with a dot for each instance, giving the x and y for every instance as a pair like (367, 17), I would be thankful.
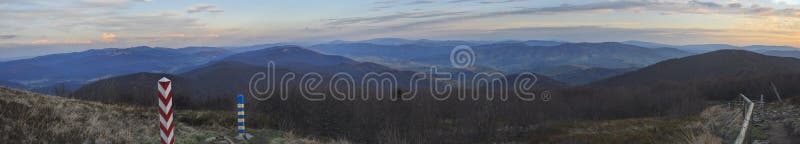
(27, 117)
(716, 124)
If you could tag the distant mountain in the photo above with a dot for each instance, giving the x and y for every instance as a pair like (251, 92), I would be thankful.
(402, 52)
(11, 84)
(10, 52)
(557, 70)
(205, 51)
(208, 87)
(288, 55)
(508, 56)
(230, 76)
(388, 41)
(403, 49)
(757, 48)
(532, 42)
(301, 60)
(81, 67)
(542, 43)
(577, 75)
(239, 49)
(648, 44)
(15, 58)
(702, 48)
(782, 53)
(422, 42)
(708, 66)
(520, 57)
(138, 88)
(542, 81)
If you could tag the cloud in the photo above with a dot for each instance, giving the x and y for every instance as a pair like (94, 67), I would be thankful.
(663, 7)
(109, 37)
(705, 4)
(180, 35)
(735, 5)
(48, 42)
(381, 5)
(43, 41)
(142, 24)
(204, 8)
(7, 36)
(460, 1)
(392, 17)
(72, 17)
(485, 1)
(500, 1)
(400, 25)
(420, 2)
(76, 41)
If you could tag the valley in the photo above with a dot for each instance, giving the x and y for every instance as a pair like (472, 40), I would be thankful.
(595, 92)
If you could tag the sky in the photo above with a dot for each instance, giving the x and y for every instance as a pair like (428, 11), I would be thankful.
(84, 24)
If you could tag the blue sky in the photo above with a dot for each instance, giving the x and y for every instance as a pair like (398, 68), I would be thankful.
(177, 23)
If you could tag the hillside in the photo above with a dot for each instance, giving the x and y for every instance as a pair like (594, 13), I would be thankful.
(207, 86)
(79, 67)
(138, 89)
(708, 66)
(29, 117)
(606, 55)
(35, 118)
(288, 54)
(782, 53)
(507, 56)
(518, 57)
(587, 75)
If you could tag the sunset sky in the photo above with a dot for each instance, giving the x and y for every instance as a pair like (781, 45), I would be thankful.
(179, 23)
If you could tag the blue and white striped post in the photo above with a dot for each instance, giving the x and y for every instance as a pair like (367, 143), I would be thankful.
(240, 116)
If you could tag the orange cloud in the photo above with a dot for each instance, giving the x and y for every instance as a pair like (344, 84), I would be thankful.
(44, 41)
(212, 35)
(77, 41)
(109, 36)
(189, 36)
(176, 35)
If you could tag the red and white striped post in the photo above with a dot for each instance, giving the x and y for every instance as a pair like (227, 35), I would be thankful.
(165, 110)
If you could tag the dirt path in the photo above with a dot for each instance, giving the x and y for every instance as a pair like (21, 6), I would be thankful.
(776, 116)
(779, 135)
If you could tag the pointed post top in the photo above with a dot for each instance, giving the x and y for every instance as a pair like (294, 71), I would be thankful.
(164, 79)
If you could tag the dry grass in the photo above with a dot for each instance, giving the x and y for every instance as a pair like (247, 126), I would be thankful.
(27, 117)
(722, 121)
(712, 126)
(637, 130)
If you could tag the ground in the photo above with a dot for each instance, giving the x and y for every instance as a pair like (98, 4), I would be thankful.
(27, 117)
(779, 120)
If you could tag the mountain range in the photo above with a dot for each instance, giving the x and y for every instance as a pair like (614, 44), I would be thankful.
(708, 66)
(507, 56)
(81, 67)
(570, 63)
(211, 83)
(587, 82)
(702, 48)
